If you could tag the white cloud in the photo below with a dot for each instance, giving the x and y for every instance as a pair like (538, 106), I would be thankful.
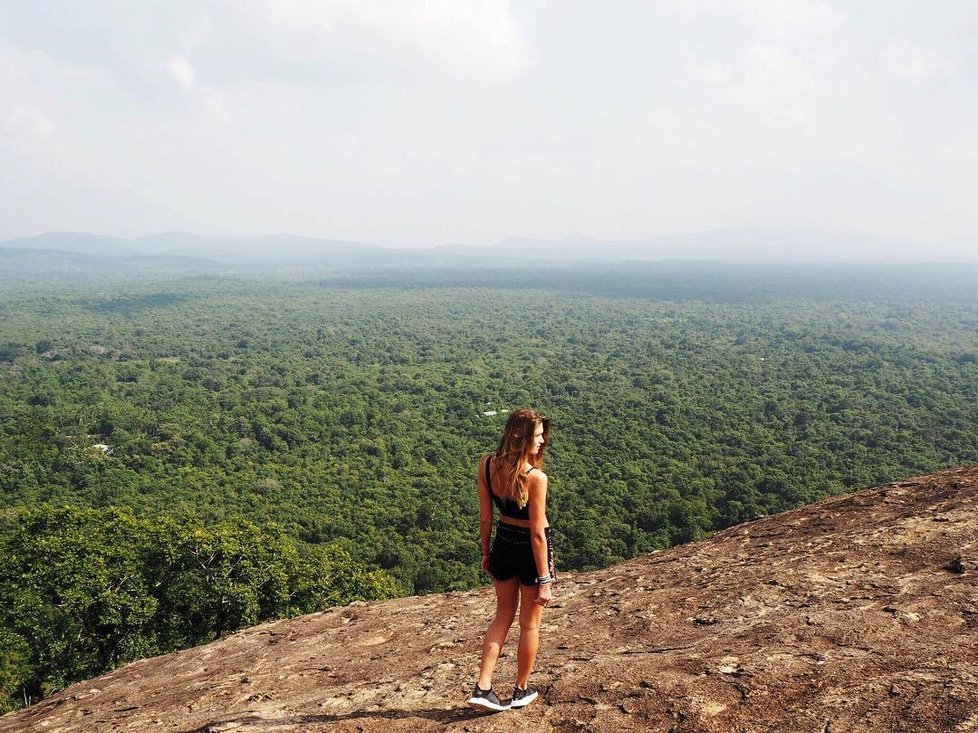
(336, 41)
(27, 126)
(32, 118)
(778, 18)
(906, 62)
(182, 71)
(473, 119)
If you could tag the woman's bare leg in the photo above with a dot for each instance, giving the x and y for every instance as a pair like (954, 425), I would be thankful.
(507, 596)
(531, 614)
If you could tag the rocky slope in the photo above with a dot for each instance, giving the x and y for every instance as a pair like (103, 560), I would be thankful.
(858, 613)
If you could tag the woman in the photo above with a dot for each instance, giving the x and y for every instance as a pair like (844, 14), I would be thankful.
(521, 559)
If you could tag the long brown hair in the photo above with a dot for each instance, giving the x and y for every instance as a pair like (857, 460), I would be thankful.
(513, 452)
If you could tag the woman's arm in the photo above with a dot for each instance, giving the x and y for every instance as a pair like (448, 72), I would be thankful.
(538, 525)
(485, 514)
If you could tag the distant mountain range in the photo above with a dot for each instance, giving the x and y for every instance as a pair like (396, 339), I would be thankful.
(741, 244)
(188, 244)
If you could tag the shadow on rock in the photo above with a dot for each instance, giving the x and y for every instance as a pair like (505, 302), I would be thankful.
(439, 715)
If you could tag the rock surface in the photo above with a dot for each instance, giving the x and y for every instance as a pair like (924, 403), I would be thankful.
(858, 613)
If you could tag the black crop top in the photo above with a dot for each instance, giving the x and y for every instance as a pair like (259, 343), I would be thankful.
(507, 507)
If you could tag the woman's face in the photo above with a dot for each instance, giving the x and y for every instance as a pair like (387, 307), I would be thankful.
(537, 442)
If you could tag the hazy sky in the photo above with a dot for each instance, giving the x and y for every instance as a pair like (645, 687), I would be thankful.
(416, 123)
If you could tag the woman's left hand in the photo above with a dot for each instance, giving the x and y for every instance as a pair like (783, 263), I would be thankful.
(485, 565)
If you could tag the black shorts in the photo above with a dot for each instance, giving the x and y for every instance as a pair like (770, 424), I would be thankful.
(512, 554)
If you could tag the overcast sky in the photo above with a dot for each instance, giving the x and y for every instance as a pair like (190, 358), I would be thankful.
(419, 123)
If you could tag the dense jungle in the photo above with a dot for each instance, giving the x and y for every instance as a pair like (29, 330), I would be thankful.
(183, 455)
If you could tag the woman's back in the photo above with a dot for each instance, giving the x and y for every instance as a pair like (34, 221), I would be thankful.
(507, 507)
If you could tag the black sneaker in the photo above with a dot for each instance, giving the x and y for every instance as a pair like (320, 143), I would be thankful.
(522, 698)
(486, 699)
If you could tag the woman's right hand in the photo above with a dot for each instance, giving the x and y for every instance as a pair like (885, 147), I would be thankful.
(485, 565)
(544, 593)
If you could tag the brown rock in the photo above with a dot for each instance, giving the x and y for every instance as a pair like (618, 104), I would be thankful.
(840, 616)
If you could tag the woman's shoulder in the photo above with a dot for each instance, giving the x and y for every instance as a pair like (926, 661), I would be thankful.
(485, 464)
(537, 477)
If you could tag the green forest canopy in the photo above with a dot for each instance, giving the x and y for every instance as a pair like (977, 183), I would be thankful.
(349, 413)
